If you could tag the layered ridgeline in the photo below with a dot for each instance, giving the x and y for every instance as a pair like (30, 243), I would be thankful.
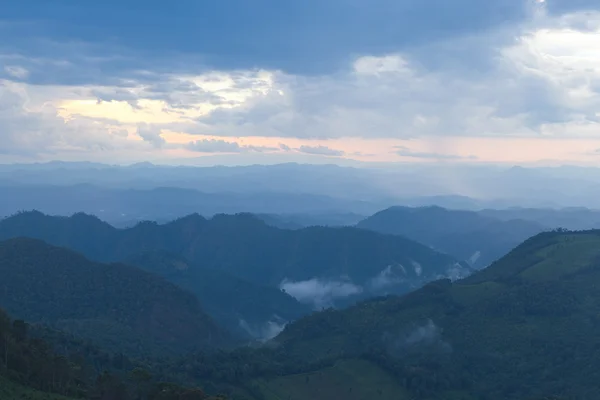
(318, 266)
(116, 306)
(467, 235)
(527, 327)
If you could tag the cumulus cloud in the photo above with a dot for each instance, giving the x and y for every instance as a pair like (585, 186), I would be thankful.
(214, 146)
(151, 134)
(319, 292)
(224, 146)
(320, 150)
(404, 151)
(284, 147)
(30, 129)
(474, 80)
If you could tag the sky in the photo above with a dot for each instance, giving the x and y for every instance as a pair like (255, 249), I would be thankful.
(262, 81)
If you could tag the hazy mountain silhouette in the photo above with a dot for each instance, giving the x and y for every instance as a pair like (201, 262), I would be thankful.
(466, 235)
(318, 265)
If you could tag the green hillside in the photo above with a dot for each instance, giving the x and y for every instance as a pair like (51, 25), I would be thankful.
(244, 308)
(13, 391)
(37, 363)
(526, 327)
(352, 379)
(118, 306)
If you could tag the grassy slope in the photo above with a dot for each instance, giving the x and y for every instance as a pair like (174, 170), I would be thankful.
(533, 316)
(348, 379)
(13, 391)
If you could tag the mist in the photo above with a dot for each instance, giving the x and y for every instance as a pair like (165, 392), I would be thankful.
(266, 331)
(320, 293)
(422, 336)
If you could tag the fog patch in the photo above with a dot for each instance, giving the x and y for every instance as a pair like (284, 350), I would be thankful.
(319, 292)
(426, 336)
(386, 278)
(456, 271)
(473, 259)
(266, 331)
(427, 333)
(418, 268)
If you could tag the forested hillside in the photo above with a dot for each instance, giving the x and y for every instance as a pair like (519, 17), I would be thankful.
(467, 235)
(320, 266)
(118, 306)
(523, 329)
(247, 309)
(526, 327)
(34, 369)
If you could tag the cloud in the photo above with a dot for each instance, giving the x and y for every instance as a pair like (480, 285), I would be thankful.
(308, 37)
(406, 152)
(424, 336)
(29, 129)
(319, 292)
(284, 147)
(151, 134)
(16, 71)
(265, 331)
(223, 146)
(478, 69)
(320, 150)
(387, 278)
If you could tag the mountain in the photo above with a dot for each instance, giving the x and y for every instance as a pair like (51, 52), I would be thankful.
(298, 221)
(117, 306)
(527, 327)
(466, 235)
(255, 311)
(573, 218)
(319, 266)
(119, 205)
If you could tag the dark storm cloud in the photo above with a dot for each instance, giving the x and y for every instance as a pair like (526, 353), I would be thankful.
(111, 39)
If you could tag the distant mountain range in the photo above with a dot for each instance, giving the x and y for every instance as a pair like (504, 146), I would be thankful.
(126, 206)
(466, 235)
(449, 186)
(318, 266)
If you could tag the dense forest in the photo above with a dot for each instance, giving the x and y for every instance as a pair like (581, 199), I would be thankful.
(525, 328)
(242, 254)
(473, 236)
(33, 368)
(117, 305)
(244, 313)
(241, 244)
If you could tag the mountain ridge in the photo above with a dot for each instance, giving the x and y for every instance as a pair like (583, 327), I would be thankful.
(319, 266)
(526, 327)
(116, 304)
(466, 235)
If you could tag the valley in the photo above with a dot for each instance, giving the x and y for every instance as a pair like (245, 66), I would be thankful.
(182, 290)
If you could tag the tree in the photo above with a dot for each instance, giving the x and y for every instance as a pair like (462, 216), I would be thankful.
(141, 378)
(20, 330)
